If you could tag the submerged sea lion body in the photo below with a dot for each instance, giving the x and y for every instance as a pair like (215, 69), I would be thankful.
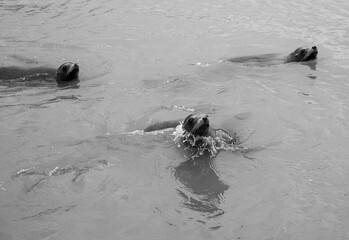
(301, 54)
(162, 125)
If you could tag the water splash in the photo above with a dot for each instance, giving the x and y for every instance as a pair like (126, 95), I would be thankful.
(199, 145)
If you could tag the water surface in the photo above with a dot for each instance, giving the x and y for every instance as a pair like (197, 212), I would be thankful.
(71, 169)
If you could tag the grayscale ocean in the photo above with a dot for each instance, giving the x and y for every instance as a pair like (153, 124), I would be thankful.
(74, 166)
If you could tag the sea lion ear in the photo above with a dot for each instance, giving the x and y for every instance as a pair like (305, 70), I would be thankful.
(297, 51)
(187, 118)
(187, 123)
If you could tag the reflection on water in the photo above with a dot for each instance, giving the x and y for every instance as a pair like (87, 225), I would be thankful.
(311, 64)
(202, 190)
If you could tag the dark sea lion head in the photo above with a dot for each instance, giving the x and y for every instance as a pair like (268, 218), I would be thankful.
(303, 54)
(67, 72)
(197, 124)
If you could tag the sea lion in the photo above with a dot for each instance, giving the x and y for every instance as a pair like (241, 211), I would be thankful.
(67, 72)
(194, 129)
(197, 124)
(194, 124)
(197, 136)
(198, 133)
(301, 54)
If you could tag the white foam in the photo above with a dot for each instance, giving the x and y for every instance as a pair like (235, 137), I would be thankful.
(222, 141)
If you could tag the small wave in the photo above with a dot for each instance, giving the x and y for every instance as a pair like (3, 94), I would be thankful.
(58, 171)
(49, 211)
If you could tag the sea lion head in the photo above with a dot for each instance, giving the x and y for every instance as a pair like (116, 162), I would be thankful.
(303, 54)
(197, 124)
(67, 72)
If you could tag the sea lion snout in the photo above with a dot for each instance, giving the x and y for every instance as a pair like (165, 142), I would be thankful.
(315, 51)
(310, 54)
(197, 124)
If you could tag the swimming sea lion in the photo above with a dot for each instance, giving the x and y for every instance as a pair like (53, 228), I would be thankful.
(194, 127)
(301, 54)
(197, 124)
(198, 137)
(197, 132)
(67, 72)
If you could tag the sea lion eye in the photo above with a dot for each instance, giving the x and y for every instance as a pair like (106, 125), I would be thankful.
(190, 121)
(64, 68)
(303, 51)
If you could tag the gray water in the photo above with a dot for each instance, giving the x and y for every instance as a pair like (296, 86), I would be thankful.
(72, 168)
